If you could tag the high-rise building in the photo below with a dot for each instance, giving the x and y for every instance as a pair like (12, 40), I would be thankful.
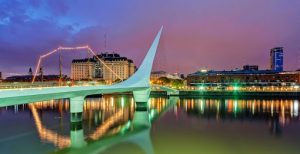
(0, 75)
(83, 69)
(276, 59)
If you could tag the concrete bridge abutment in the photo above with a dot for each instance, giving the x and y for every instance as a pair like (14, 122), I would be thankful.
(76, 131)
(77, 135)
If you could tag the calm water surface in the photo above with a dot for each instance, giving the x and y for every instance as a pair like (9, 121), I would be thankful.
(111, 125)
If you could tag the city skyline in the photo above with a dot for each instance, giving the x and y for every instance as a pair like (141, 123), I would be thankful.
(154, 77)
(215, 35)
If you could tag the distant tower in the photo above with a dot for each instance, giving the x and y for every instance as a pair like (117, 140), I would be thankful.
(105, 42)
(276, 59)
(60, 69)
(41, 74)
(60, 66)
(30, 71)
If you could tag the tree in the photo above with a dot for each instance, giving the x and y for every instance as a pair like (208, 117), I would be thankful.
(177, 83)
(164, 80)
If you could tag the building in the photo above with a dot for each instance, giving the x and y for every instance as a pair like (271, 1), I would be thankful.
(122, 67)
(30, 71)
(83, 69)
(28, 78)
(0, 76)
(250, 67)
(276, 59)
(92, 68)
(268, 77)
(158, 74)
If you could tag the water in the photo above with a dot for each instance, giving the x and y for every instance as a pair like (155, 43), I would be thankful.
(111, 125)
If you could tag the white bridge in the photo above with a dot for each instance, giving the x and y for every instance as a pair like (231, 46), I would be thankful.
(138, 83)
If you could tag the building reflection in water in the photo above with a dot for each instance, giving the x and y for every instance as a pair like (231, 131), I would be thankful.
(277, 113)
(101, 117)
(102, 114)
(107, 115)
(47, 135)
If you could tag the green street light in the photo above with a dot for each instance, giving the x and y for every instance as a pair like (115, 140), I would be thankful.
(201, 88)
(236, 88)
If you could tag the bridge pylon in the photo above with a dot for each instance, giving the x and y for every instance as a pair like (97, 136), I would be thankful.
(141, 78)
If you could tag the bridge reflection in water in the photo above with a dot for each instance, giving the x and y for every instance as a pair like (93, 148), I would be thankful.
(111, 120)
(105, 113)
(102, 118)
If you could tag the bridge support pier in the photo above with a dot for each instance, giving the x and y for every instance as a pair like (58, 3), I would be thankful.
(141, 98)
(76, 108)
(141, 119)
(77, 136)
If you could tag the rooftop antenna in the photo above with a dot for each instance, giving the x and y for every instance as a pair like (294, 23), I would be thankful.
(60, 68)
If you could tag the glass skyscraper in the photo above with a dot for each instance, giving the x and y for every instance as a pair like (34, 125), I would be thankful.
(276, 59)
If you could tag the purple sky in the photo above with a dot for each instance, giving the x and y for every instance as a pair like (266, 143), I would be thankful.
(213, 34)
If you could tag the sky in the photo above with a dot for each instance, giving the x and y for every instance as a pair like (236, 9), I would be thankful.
(211, 34)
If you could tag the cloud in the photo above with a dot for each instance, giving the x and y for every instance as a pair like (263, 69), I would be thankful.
(213, 34)
(23, 39)
(57, 7)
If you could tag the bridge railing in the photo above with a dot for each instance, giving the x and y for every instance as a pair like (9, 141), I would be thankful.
(294, 88)
(27, 85)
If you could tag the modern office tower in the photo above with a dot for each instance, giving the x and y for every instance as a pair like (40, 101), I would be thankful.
(276, 59)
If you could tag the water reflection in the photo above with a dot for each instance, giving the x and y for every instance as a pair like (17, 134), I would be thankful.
(277, 113)
(101, 117)
(114, 116)
(47, 135)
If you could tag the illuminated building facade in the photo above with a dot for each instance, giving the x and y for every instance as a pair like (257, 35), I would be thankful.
(122, 66)
(244, 76)
(92, 68)
(158, 74)
(276, 59)
(83, 69)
